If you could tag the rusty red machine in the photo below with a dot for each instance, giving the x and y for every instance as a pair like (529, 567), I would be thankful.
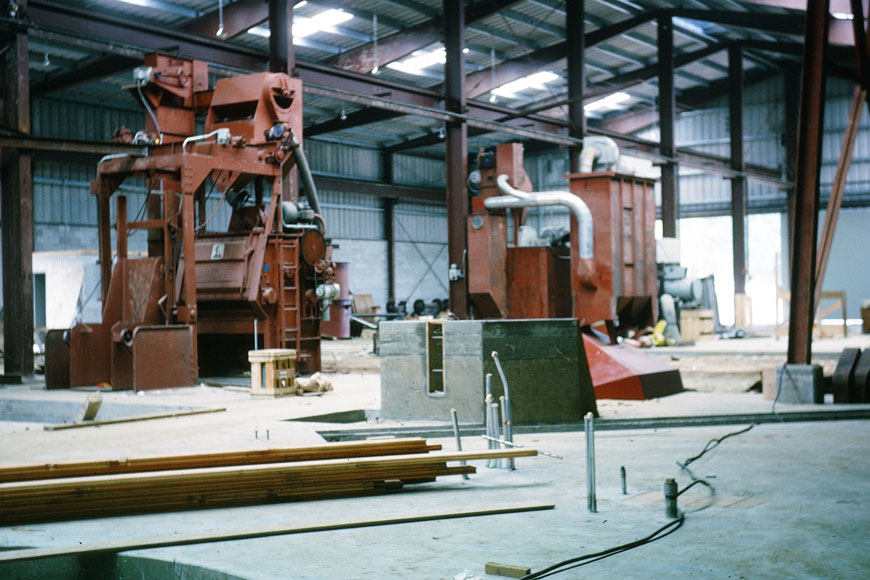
(200, 300)
(605, 276)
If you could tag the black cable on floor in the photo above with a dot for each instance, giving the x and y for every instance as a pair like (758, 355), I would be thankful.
(660, 533)
(712, 444)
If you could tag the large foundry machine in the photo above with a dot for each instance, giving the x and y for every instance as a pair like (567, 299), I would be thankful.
(601, 272)
(201, 299)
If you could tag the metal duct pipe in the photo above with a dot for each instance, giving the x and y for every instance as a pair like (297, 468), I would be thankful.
(515, 199)
(307, 178)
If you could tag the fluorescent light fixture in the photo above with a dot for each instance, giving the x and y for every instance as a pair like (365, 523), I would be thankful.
(535, 81)
(301, 4)
(325, 20)
(608, 103)
(420, 59)
(260, 31)
(303, 27)
(842, 16)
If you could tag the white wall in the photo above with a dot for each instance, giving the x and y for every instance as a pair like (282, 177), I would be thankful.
(64, 273)
(705, 248)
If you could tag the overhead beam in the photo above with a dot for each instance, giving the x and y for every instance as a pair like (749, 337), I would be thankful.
(809, 160)
(98, 69)
(481, 82)
(766, 21)
(238, 18)
(402, 43)
(377, 189)
(77, 22)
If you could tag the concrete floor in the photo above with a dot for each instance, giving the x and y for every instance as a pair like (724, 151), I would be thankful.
(792, 500)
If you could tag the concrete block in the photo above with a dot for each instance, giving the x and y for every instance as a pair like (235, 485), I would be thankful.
(799, 384)
(543, 359)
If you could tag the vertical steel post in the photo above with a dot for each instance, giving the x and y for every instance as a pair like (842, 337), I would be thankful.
(455, 420)
(667, 120)
(591, 498)
(575, 13)
(456, 154)
(809, 162)
(738, 183)
(16, 207)
(791, 89)
(281, 55)
(390, 237)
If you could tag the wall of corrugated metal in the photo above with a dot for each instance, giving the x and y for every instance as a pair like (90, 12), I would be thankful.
(343, 160)
(68, 120)
(409, 170)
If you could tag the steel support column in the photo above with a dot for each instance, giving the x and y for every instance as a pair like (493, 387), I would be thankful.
(808, 163)
(456, 150)
(791, 88)
(574, 25)
(390, 237)
(16, 208)
(281, 56)
(667, 120)
(738, 163)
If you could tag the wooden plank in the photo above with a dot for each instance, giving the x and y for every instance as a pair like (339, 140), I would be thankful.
(195, 475)
(127, 493)
(91, 406)
(35, 471)
(508, 570)
(186, 539)
(130, 419)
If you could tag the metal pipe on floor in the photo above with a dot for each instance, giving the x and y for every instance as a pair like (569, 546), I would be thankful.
(487, 415)
(458, 439)
(517, 445)
(507, 397)
(506, 427)
(622, 477)
(591, 499)
(493, 409)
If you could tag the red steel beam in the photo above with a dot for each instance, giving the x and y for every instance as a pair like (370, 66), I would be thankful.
(456, 154)
(808, 165)
(238, 18)
(835, 201)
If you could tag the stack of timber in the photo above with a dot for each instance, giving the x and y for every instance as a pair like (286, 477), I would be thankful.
(50, 492)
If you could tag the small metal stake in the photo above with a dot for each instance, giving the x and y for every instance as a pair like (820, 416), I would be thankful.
(671, 493)
(458, 439)
(622, 476)
(591, 500)
(506, 428)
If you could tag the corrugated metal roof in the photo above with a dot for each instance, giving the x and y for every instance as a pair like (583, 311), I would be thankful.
(515, 32)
